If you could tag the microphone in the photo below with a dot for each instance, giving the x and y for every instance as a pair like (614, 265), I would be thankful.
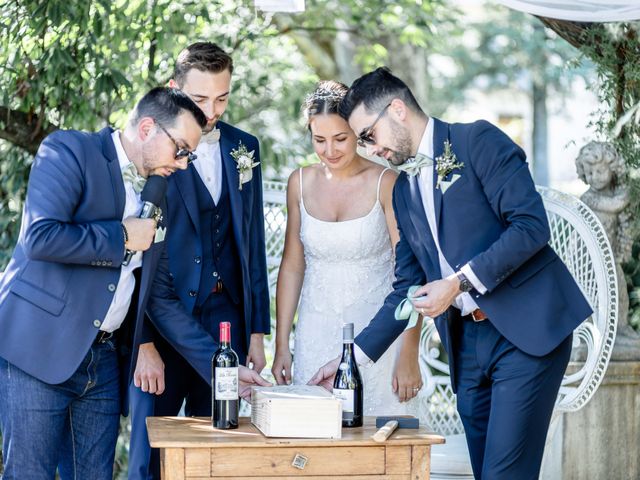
(152, 194)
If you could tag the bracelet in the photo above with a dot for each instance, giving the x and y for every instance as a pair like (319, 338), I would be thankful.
(125, 233)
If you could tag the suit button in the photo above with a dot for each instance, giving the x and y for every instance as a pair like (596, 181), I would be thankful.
(97, 323)
(215, 274)
(93, 263)
(112, 287)
(110, 263)
(217, 244)
(197, 259)
(192, 293)
(104, 263)
(217, 217)
(217, 230)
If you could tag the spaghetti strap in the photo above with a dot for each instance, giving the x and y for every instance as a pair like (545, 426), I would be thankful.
(301, 199)
(379, 182)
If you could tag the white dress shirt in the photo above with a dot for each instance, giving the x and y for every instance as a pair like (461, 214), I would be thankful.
(209, 167)
(127, 282)
(464, 301)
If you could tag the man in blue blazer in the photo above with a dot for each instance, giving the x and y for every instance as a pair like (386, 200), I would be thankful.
(217, 263)
(70, 311)
(473, 236)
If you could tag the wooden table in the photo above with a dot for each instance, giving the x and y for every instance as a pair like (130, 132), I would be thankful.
(190, 448)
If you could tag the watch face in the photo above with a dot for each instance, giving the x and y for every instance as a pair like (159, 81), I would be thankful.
(465, 285)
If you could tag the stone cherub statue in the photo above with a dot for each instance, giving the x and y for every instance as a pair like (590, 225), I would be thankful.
(599, 166)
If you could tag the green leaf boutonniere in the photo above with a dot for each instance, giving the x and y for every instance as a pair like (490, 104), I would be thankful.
(245, 161)
(446, 163)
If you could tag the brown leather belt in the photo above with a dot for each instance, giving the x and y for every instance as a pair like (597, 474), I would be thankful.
(217, 288)
(478, 315)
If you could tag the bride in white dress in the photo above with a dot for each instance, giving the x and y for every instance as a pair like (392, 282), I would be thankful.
(338, 262)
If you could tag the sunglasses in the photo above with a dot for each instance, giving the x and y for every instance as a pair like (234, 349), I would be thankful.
(181, 152)
(366, 136)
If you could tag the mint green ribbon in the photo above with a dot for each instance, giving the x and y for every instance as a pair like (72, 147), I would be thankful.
(413, 166)
(405, 309)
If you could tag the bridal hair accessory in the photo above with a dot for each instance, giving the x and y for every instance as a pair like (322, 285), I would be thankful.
(244, 159)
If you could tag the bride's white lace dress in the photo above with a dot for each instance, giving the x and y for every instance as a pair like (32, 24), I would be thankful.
(349, 272)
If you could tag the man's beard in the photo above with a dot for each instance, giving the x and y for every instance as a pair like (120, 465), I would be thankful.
(403, 149)
(209, 127)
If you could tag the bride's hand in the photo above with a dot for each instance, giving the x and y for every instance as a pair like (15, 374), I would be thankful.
(281, 368)
(407, 379)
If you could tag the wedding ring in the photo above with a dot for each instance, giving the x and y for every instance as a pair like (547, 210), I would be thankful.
(416, 389)
(422, 311)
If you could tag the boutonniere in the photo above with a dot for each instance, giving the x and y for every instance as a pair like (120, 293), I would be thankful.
(446, 163)
(244, 159)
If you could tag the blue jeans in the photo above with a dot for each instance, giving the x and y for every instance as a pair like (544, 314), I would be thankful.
(73, 425)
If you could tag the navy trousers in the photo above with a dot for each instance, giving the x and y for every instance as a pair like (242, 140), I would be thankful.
(505, 399)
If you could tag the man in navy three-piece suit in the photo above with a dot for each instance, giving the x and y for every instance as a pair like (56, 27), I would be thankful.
(71, 313)
(217, 264)
(474, 236)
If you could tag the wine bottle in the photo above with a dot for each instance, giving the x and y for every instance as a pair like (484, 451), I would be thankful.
(224, 369)
(347, 385)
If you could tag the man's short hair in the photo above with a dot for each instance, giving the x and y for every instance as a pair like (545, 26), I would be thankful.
(203, 56)
(165, 105)
(375, 90)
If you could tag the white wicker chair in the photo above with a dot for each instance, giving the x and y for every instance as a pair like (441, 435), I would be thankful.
(580, 240)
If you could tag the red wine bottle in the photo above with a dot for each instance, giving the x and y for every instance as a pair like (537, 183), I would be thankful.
(224, 382)
(347, 385)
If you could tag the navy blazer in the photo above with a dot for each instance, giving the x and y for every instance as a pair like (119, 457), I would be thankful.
(493, 218)
(59, 283)
(180, 278)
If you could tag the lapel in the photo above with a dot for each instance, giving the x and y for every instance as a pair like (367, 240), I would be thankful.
(230, 173)
(109, 151)
(440, 134)
(185, 183)
(414, 205)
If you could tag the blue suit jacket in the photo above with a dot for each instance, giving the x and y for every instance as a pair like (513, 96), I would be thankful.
(59, 283)
(493, 218)
(181, 279)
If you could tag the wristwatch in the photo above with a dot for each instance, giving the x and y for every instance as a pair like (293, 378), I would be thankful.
(465, 284)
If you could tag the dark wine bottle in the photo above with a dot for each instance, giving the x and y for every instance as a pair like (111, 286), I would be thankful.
(224, 382)
(347, 385)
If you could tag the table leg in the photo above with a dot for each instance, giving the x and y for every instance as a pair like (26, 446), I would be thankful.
(420, 462)
(172, 463)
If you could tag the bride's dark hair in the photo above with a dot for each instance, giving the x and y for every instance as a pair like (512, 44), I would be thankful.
(324, 100)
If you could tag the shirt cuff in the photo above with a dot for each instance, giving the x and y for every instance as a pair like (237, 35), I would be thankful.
(361, 358)
(475, 281)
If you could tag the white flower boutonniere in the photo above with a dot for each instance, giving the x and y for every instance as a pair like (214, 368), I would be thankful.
(446, 163)
(244, 159)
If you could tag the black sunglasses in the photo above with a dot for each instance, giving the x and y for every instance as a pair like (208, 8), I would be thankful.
(366, 136)
(181, 152)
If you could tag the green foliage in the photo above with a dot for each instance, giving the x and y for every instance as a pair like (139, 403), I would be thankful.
(615, 49)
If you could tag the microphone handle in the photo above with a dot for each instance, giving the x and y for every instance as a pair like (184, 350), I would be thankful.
(148, 211)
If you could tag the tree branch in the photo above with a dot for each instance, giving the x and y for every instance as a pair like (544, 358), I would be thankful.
(23, 130)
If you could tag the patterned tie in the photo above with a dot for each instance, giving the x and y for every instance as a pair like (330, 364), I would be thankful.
(130, 175)
(413, 165)
(212, 137)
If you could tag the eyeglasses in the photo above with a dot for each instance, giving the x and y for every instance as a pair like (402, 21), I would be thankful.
(181, 152)
(366, 136)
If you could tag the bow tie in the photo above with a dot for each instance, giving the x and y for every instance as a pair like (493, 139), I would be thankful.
(413, 165)
(130, 175)
(212, 137)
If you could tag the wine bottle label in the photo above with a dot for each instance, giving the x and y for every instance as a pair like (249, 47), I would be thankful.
(346, 396)
(226, 383)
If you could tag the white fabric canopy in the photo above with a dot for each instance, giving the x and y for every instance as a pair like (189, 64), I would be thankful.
(579, 10)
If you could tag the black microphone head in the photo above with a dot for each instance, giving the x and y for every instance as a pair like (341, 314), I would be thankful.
(154, 190)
